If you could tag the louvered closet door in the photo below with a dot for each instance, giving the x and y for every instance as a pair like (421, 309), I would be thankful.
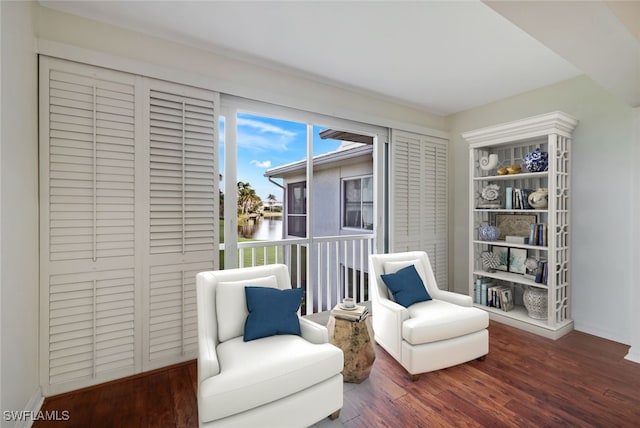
(419, 206)
(87, 205)
(182, 213)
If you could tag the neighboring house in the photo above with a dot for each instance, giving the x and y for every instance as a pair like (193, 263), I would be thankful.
(342, 190)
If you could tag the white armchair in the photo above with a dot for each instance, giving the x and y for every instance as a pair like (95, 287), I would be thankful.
(428, 335)
(276, 381)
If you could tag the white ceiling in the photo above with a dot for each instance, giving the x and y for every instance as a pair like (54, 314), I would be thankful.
(442, 57)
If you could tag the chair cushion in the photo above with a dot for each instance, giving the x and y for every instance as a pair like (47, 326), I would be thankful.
(231, 304)
(393, 267)
(264, 370)
(439, 320)
(272, 311)
(407, 286)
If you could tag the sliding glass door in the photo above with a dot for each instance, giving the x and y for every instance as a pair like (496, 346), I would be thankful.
(301, 189)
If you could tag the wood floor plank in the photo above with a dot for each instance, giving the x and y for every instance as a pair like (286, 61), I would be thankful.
(185, 408)
(525, 381)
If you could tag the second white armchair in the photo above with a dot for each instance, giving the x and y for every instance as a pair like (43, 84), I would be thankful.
(428, 333)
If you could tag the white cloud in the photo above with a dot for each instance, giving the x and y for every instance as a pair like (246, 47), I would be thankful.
(261, 164)
(262, 136)
(265, 127)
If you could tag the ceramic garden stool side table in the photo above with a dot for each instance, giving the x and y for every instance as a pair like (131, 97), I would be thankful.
(355, 338)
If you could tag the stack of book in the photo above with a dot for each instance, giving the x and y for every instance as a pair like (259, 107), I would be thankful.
(517, 199)
(481, 286)
(538, 234)
(487, 293)
(357, 314)
(501, 297)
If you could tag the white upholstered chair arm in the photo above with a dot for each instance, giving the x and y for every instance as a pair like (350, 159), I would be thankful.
(388, 318)
(313, 332)
(451, 297)
(208, 364)
(400, 313)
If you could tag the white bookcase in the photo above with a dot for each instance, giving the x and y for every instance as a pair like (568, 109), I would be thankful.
(511, 141)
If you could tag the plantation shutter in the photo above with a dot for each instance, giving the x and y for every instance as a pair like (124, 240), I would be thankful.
(183, 180)
(419, 206)
(128, 217)
(183, 205)
(87, 224)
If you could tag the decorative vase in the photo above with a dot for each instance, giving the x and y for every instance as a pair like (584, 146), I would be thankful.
(488, 233)
(488, 163)
(539, 199)
(536, 161)
(535, 300)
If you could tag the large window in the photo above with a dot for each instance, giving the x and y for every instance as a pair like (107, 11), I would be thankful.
(297, 209)
(357, 203)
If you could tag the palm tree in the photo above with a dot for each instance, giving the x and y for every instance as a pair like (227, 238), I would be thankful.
(221, 197)
(248, 199)
(271, 198)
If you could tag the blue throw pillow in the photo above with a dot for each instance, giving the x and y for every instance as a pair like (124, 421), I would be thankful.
(406, 286)
(271, 311)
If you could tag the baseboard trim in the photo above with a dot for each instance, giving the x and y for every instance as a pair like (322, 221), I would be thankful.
(594, 331)
(33, 406)
(633, 355)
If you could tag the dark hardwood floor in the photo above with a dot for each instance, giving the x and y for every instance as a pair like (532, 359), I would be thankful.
(526, 381)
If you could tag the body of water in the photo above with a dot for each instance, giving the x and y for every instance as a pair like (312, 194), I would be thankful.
(262, 229)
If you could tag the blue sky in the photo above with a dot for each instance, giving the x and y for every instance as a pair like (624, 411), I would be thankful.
(265, 143)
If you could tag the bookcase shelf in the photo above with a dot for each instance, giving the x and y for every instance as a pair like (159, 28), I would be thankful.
(512, 245)
(504, 210)
(510, 143)
(515, 278)
(520, 176)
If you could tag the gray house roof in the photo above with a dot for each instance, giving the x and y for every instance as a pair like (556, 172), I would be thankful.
(346, 154)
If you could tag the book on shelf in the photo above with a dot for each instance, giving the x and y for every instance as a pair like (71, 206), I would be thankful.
(524, 193)
(508, 198)
(532, 234)
(357, 314)
(541, 272)
(540, 240)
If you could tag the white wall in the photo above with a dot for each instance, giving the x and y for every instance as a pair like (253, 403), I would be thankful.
(634, 351)
(173, 61)
(602, 194)
(19, 209)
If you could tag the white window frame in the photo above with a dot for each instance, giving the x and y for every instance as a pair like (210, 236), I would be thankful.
(288, 213)
(343, 202)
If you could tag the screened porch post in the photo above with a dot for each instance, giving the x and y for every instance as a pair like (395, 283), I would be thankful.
(230, 188)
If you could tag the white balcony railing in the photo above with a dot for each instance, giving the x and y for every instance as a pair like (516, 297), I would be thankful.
(328, 268)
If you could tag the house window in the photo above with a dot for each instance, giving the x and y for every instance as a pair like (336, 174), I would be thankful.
(357, 203)
(297, 209)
